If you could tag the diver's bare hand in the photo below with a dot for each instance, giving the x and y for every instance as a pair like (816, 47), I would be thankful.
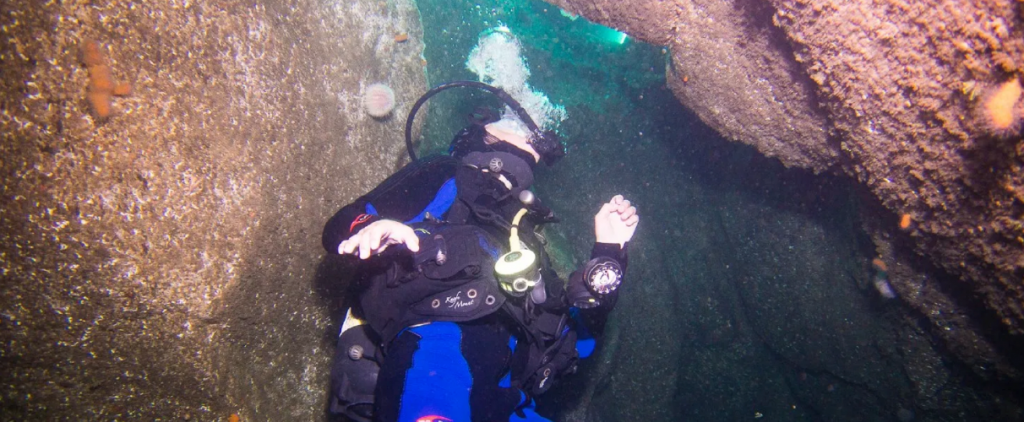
(376, 237)
(616, 221)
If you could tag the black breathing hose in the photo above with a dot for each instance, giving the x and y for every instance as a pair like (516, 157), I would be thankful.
(511, 102)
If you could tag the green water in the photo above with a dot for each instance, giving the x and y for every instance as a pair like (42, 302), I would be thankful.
(747, 295)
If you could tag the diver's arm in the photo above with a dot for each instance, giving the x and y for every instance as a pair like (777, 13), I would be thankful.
(348, 220)
(400, 197)
(594, 318)
(614, 226)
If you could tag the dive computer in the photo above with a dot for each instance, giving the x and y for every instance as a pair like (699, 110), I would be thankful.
(602, 275)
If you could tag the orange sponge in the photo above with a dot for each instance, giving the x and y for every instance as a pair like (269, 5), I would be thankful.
(879, 264)
(1000, 111)
(905, 221)
(102, 87)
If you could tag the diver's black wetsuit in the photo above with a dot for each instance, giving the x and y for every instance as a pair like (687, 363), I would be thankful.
(457, 366)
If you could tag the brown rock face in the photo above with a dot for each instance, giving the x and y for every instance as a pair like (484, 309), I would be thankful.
(902, 96)
(726, 67)
(157, 253)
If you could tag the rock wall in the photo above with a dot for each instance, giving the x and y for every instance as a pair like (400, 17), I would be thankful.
(159, 232)
(902, 96)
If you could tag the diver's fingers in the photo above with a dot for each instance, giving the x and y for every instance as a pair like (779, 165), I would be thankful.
(361, 248)
(378, 233)
(351, 245)
(392, 233)
(617, 199)
(632, 220)
(364, 244)
(607, 207)
(627, 213)
(412, 241)
(399, 233)
(622, 206)
(348, 246)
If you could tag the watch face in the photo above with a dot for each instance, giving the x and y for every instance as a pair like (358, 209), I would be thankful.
(605, 278)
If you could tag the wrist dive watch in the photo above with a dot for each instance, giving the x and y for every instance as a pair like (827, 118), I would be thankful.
(602, 275)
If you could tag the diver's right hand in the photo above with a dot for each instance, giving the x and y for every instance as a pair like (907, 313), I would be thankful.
(376, 237)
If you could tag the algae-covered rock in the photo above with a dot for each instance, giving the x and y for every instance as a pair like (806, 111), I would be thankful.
(159, 252)
(908, 98)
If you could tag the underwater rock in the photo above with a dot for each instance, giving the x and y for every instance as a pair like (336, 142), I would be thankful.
(876, 92)
(160, 265)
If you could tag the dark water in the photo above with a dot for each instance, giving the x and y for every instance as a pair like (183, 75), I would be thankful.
(750, 289)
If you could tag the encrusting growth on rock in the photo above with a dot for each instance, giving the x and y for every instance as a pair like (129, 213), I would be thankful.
(101, 81)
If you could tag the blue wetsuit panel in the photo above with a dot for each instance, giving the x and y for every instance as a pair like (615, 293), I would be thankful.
(443, 200)
(439, 381)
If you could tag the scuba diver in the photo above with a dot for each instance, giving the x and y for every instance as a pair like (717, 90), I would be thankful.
(458, 315)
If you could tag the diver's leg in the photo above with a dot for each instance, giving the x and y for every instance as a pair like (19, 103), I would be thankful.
(425, 376)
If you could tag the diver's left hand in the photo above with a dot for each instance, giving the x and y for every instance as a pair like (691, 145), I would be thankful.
(616, 221)
(376, 237)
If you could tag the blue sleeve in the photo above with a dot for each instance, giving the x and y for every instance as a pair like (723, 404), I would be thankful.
(590, 322)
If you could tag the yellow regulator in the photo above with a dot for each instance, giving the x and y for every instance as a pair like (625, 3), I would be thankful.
(517, 270)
